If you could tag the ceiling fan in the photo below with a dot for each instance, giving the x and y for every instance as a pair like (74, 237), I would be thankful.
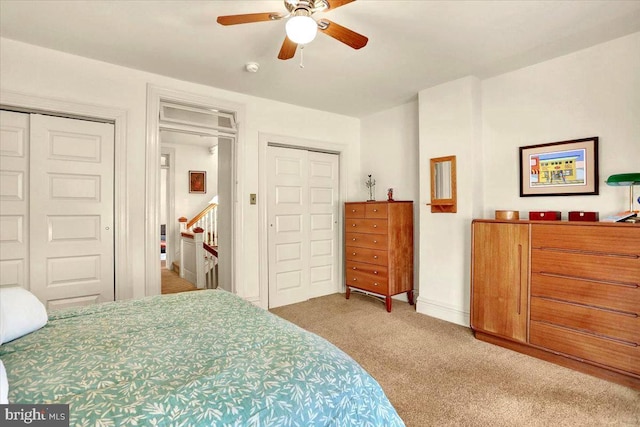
(301, 28)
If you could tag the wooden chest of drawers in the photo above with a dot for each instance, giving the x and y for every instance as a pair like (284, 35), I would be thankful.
(581, 289)
(379, 248)
(585, 295)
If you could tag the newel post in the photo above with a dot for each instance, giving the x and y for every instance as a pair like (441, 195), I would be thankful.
(183, 224)
(198, 238)
(183, 228)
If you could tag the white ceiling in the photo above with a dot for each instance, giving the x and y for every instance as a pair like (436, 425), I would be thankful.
(412, 45)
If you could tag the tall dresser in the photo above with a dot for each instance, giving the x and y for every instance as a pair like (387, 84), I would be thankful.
(379, 248)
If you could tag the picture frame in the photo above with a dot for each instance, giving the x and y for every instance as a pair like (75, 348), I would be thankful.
(198, 182)
(564, 168)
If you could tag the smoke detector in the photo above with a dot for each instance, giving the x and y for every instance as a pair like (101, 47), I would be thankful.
(252, 67)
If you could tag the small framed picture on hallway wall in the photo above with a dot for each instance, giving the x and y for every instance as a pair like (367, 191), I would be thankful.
(198, 182)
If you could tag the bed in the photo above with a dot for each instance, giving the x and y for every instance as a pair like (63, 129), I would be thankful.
(190, 359)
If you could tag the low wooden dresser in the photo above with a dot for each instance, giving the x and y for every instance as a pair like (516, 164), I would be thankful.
(565, 292)
(379, 248)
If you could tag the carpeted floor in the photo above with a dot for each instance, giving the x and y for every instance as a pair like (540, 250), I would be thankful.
(437, 374)
(172, 283)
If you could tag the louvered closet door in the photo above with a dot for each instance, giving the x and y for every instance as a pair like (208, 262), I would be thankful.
(303, 236)
(71, 211)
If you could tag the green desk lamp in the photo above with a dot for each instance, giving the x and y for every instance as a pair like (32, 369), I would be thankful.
(626, 180)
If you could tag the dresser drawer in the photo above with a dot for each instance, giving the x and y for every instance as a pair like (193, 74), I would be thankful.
(614, 269)
(595, 238)
(599, 294)
(367, 282)
(585, 346)
(370, 256)
(607, 323)
(376, 210)
(375, 271)
(374, 226)
(363, 240)
(354, 210)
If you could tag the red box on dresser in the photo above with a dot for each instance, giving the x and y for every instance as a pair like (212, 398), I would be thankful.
(583, 216)
(545, 216)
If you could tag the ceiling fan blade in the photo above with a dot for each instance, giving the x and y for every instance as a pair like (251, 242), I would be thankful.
(248, 18)
(343, 34)
(334, 4)
(288, 49)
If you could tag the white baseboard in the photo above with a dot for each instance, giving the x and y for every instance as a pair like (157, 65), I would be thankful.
(442, 311)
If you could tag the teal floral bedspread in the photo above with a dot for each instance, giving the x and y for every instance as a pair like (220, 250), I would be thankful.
(205, 358)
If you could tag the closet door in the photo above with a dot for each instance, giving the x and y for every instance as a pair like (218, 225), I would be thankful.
(302, 203)
(324, 209)
(71, 211)
(288, 215)
(14, 199)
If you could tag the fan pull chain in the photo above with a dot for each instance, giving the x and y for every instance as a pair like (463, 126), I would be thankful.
(302, 56)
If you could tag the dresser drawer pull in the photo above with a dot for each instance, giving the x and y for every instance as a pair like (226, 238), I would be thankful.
(375, 241)
(354, 239)
(355, 279)
(354, 268)
(375, 210)
(375, 225)
(353, 225)
(353, 253)
(353, 210)
(375, 284)
(375, 272)
(375, 257)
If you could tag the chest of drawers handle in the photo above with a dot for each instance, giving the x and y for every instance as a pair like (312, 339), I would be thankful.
(375, 241)
(375, 225)
(354, 239)
(355, 268)
(375, 272)
(375, 284)
(375, 257)
(353, 225)
(375, 210)
(353, 253)
(355, 279)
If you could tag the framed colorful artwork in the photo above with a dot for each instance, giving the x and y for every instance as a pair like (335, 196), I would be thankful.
(565, 168)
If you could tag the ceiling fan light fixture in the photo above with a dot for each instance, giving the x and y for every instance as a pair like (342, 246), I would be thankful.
(301, 29)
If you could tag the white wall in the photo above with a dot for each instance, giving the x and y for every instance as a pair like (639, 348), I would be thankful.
(450, 123)
(193, 158)
(47, 73)
(388, 152)
(593, 92)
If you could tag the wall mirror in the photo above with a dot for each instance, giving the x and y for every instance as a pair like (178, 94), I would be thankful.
(443, 185)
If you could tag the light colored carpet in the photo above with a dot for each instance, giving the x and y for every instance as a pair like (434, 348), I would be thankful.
(437, 374)
(172, 283)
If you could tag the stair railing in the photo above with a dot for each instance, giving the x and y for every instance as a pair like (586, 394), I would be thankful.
(198, 248)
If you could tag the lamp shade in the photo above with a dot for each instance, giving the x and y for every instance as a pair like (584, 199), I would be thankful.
(624, 179)
(301, 29)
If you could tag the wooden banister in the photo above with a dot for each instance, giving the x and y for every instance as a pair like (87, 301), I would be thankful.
(201, 215)
(213, 250)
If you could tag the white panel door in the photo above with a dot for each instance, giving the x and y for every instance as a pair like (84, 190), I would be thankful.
(288, 214)
(303, 236)
(323, 223)
(14, 200)
(71, 211)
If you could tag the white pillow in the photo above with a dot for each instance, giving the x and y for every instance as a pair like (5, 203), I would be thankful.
(20, 313)
(4, 386)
